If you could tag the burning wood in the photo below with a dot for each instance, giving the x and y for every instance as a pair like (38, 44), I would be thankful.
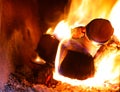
(47, 47)
(69, 51)
(77, 65)
(90, 59)
(78, 32)
(77, 61)
(99, 30)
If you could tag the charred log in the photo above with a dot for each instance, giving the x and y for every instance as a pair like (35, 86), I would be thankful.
(47, 47)
(99, 30)
(77, 65)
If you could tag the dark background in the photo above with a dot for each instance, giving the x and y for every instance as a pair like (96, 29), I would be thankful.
(51, 12)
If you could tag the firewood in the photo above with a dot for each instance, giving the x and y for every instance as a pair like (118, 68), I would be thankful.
(77, 65)
(99, 30)
(47, 47)
(78, 32)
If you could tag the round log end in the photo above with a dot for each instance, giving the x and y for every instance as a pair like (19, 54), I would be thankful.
(47, 47)
(99, 30)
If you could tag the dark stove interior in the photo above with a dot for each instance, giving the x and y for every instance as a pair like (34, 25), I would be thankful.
(23, 24)
(52, 11)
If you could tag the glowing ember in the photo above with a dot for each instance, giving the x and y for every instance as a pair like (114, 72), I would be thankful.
(107, 59)
(38, 60)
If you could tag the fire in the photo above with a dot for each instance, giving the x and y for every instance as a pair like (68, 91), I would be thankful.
(82, 11)
(114, 19)
(62, 30)
(107, 64)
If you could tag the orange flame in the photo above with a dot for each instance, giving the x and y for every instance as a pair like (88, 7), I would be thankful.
(83, 11)
(107, 64)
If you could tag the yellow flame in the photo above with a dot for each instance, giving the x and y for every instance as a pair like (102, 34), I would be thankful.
(49, 31)
(62, 30)
(81, 12)
(114, 18)
(107, 70)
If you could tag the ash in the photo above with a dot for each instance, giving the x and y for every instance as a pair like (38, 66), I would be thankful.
(15, 84)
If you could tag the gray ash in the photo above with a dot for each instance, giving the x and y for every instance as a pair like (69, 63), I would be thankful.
(17, 85)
